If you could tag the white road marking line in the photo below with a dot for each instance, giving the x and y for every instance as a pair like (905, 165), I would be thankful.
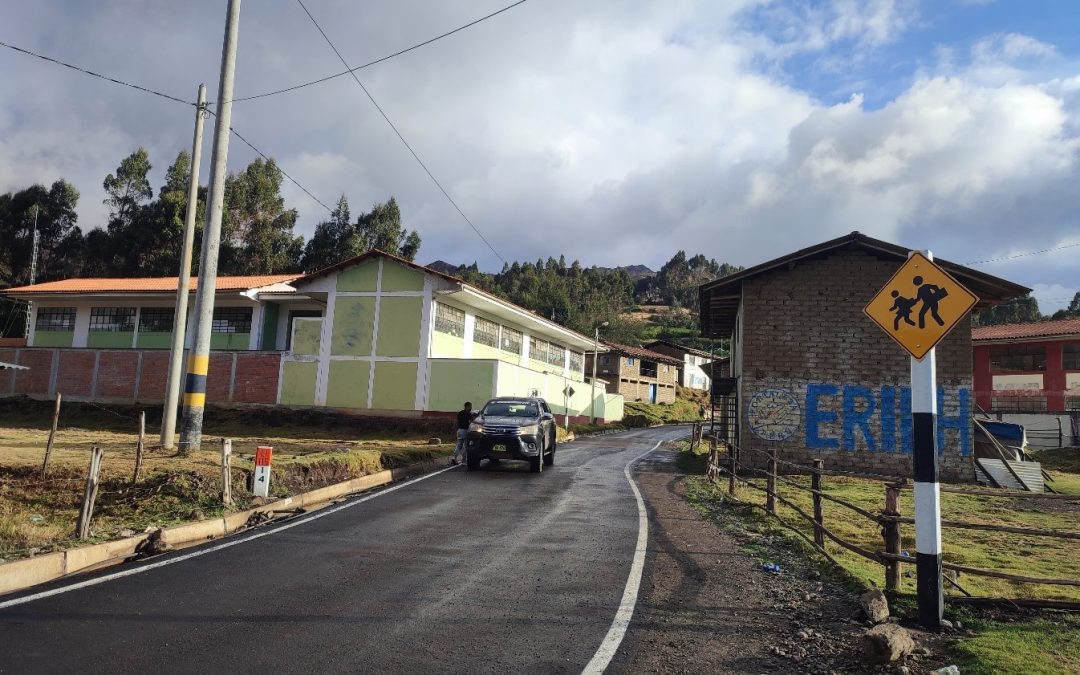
(617, 632)
(212, 549)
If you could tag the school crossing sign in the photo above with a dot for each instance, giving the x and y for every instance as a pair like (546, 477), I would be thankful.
(920, 305)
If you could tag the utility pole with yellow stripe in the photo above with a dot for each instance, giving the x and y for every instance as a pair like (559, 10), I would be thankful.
(199, 360)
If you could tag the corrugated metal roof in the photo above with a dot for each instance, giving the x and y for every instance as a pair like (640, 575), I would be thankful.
(1014, 331)
(148, 285)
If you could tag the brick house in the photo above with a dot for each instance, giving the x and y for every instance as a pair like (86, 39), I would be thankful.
(638, 374)
(695, 367)
(815, 378)
(1028, 367)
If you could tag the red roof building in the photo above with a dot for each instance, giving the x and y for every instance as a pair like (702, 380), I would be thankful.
(1028, 367)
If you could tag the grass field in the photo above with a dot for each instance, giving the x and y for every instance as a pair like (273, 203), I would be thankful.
(309, 451)
(1044, 642)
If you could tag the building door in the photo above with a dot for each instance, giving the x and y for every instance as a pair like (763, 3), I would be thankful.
(652, 393)
(298, 314)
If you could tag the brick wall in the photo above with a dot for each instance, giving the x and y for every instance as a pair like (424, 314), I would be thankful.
(804, 333)
(135, 375)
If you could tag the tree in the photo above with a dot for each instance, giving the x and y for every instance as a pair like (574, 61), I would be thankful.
(1073, 310)
(1018, 310)
(337, 239)
(256, 228)
(381, 228)
(328, 244)
(128, 189)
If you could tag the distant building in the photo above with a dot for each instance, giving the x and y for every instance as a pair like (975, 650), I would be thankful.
(1028, 367)
(635, 373)
(374, 334)
(815, 378)
(695, 371)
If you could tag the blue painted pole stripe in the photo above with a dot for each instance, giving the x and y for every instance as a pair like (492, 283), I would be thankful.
(195, 384)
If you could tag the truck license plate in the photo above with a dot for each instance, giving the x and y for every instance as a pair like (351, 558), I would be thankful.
(498, 448)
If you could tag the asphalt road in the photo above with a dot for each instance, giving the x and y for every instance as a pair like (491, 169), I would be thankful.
(492, 571)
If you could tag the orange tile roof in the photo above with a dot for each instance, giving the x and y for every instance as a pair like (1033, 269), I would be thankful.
(148, 285)
(640, 353)
(1035, 329)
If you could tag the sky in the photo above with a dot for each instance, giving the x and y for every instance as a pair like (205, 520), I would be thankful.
(615, 132)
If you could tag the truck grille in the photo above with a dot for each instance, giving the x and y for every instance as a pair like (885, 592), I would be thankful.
(502, 430)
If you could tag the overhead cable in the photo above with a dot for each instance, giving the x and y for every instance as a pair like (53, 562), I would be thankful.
(1024, 255)
(380, 60)
(402, 138)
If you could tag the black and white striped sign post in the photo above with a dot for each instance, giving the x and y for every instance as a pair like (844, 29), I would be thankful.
(927, 494)
(917, 308)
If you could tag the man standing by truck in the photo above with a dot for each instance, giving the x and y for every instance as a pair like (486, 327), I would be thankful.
(464, 419)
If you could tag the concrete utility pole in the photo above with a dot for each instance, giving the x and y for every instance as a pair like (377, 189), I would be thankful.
(33, 271)
(595, 358)
(176, 355)
(199, 360)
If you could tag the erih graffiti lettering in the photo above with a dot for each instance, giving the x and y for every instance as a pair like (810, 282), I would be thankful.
(834, 427)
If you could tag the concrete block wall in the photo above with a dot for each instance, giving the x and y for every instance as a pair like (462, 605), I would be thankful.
(134, 375)
(804, 333)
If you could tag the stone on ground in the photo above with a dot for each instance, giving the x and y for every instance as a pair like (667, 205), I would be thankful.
(874, 605)
(887, 643)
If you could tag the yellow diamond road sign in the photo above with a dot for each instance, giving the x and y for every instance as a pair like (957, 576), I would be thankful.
(920, 305)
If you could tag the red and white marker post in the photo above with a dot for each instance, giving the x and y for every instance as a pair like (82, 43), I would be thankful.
(263, 455)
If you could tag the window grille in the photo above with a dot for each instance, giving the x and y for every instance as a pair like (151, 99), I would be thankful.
(1016, 359)
(156, 320)
(231, 320)
(538, 349)
(449, 320)
(486, 332)
(511, 340)
(1018, 404)
(1070, 356)
(112, 319)
(55, 318)
(577, 362)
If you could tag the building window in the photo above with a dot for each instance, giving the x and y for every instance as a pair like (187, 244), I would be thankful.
(61, 319)
(511, 340)
(605, 360)
(231, 320)
(156, 320)
(556, 355)
(538, 349)
(449, 320)
(486, 332)
(577, 362)
(1017, 359)
(630, 361)
(1018, 404)
(1070, 356)
(1072, 403)
(112, 319)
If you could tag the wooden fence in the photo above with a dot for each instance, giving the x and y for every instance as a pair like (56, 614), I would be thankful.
(724, 461)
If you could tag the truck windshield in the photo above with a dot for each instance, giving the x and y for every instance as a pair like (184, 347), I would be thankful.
(510, 409)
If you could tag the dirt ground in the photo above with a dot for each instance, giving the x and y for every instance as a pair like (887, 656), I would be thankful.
(708, 606)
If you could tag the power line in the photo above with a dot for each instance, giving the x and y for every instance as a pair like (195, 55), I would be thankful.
(1024, 255)
(283, 172)
(402, 138)
(380, 60)
(97, 75)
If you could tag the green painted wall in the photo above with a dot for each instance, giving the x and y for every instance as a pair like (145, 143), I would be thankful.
(395, 386)
(447, 346)
(361, 278)
(109, 339)
(153, 340)
(354, 321)
(454, 382)
(269, 326)
(53, 338)
(480, 351)
(230, 340)
(397, 277)
(399, 325)
(348, 384)
(306, 336)
(298, 383)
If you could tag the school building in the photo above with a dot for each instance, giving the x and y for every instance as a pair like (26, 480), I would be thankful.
(374, 334)
(813, 377)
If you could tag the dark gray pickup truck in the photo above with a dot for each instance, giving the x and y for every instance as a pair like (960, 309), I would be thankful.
(512, 428)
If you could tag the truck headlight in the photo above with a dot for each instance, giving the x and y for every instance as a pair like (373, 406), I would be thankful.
(476, 427)
(530, 430)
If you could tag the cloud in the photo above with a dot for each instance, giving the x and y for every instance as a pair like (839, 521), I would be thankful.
(614, 131)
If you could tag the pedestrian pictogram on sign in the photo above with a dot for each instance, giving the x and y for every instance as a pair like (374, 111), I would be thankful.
(920, 305)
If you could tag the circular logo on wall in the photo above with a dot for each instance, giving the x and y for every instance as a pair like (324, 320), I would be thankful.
(773, 415)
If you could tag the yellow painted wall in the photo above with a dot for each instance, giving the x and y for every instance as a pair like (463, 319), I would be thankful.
(395, 386)
(306, 336)
(454, 381)
(359, 278)
(480, 351)
(397, 277)
(399, 325)
(348, 384)
(447, 346)
(298, 383)
(354, 322)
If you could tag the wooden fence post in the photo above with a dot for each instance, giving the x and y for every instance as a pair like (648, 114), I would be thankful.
(711, 471)
(226, 471)
(732, 473)
(52, 435)
(815, 484)
(890, 530)
(693, 438)
(139, 446)
(82, 528)
(770, 499)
